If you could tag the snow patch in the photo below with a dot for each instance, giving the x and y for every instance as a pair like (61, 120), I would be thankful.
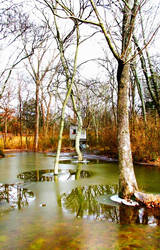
(84, 161)
(117, 199)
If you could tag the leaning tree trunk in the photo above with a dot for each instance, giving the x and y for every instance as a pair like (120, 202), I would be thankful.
(127, 180)
(61, 131)
(69, 83)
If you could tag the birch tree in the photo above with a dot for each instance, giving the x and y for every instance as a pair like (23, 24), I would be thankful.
(79, 129)
(69, 79)
(63, 40)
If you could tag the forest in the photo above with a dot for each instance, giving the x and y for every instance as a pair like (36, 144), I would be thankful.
(79, 124)
(90, 63)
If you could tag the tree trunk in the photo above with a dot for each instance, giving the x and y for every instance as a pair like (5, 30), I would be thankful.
(37, 119)
(61, 131)
(69, 83)
(96, 127)
(78, 135)
(79, 130)
(127, 180)
(140, 92)
(43, 119)
(48, 113)
(113, 110)
(151, 84)
(5, 129)
(20, 114)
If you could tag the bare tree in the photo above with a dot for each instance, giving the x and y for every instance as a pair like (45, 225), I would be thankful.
(150, 76)
(6, 111)
(47, 93)
(41, 64)
(129, 10)
(13, 23)
(140, 90)
(69, 81)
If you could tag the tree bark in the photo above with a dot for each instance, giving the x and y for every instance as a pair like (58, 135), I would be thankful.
(61, 131)
(69, 81)
(20, 112)
(127, 179)
(5, 128)
(79, 130)
(37, 118)
(140, 92)
(48, 113)
(78, 135)
(43, 118)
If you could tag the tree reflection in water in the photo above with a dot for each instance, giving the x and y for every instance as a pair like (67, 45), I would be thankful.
(136, 215)
(84, 203)
(48, 175)
(15, 196)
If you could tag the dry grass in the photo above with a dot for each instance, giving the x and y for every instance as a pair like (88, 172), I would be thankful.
(145, 141)
(106, 143)
(14, 142)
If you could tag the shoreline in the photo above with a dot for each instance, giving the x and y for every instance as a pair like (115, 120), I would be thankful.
(104, 157)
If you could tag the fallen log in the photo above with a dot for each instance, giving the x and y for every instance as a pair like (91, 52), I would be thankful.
(148, 200)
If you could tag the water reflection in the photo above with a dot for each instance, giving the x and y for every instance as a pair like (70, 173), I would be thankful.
(84, 203)
(134, 215)
(14, 196)
(48, 175)
(79, 173)
(87, 219)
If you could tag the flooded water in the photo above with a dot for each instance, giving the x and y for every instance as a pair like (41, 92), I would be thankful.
(72, 210)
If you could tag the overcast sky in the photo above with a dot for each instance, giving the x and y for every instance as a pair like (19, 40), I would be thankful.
(91, 49)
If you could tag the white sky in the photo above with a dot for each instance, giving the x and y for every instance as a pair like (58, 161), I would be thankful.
(90, 49)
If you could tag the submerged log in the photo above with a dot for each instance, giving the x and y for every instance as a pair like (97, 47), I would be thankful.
(148, 200)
